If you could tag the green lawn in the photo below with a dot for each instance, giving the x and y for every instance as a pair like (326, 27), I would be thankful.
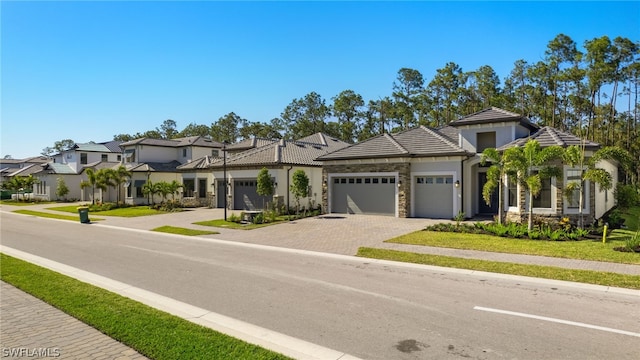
(585, 249)
(547, 272)
(632, 218)
(151, 332)
(132, 211)
(234, 225)
(24, 203)
(53, 216)
(183, 231)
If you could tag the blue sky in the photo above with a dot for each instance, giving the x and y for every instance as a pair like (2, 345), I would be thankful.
(88, 70)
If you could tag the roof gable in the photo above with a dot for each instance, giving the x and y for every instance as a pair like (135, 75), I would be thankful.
(548, 136)
(493, 115)
(417, 142)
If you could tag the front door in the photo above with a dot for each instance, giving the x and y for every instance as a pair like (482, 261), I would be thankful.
(220, 195)
(483, 208)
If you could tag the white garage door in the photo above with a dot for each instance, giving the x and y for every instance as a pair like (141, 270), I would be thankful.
(364, 195)
(433, 196)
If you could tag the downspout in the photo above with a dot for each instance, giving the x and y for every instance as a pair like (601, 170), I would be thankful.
(288, 170)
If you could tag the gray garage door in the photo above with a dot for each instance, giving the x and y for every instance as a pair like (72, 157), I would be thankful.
(433, 196)
(364, 195)
(245, 195)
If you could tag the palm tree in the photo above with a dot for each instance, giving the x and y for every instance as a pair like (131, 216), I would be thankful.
(574, 156)
(149, 189)
(119, 176)
(91, 181)
(174, 186)
(531, 165)
(495, 176)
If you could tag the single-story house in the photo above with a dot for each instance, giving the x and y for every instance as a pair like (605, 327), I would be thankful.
(246, 159)
(437, 173)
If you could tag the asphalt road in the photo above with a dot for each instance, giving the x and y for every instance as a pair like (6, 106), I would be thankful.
(364, 308)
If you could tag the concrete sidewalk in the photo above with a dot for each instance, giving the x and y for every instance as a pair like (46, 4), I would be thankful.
(31, 328)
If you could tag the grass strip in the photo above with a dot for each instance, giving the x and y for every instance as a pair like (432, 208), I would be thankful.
(584, 250)
(52, 216)
(132, 211)
(183, 231)
(220, 223)
(151, 332)
(546, 272)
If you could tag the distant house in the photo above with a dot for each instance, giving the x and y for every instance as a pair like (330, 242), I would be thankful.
(80, 155)
(247, 158)
(158, 160)
(69, 166)
(436, 173)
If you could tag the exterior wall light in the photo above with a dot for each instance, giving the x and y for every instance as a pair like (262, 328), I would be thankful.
(457, 184)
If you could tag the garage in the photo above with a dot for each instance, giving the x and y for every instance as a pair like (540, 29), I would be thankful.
(433, 196)
(373, 195)
(245, 195)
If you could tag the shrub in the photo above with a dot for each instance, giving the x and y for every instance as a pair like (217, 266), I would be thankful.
(258, 219)
(459, 218)
(627, 196)
(534, 234)
(614, 219)
(633, 243)
(234, 218)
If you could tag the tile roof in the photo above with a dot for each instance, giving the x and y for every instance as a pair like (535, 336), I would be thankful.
(24, 171)
(285, 152)
(113, 146)
(250, 143)
(417, 142)
(57, 168)
(202, 163)
(450, 133)
(156, 167)
(493, 115)
(548, 136)
(178, 142)
(91, 147)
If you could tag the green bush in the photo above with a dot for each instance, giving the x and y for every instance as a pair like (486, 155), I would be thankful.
(633, 243)
(614, 219)
(258, 219)
(234, 218)
(627, 196)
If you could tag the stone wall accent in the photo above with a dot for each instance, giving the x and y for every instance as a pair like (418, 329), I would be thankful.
(404, 178)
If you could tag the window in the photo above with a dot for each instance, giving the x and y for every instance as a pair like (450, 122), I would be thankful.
(130, 155)
(352, 180)
(512, 189)
(358, 181)
(184, 152)
(119, 158)
(138, 184)
(375, 180)
(485, 140)
(189, 185)
(83, 158)
(419, 180)
(367, 180)
(104, 157)
(202, 188)
(215, 153)
(385, 180)
(573, 176)
(543, 200)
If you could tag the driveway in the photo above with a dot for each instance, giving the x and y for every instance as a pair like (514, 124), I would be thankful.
(332, 233)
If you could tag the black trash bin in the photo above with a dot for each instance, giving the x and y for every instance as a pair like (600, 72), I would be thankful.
(83, 211)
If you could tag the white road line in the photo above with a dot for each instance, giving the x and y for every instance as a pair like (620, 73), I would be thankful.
(560, 321)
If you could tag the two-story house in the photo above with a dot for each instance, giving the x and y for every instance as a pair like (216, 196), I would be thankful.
(157, 160)
(437, 173)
